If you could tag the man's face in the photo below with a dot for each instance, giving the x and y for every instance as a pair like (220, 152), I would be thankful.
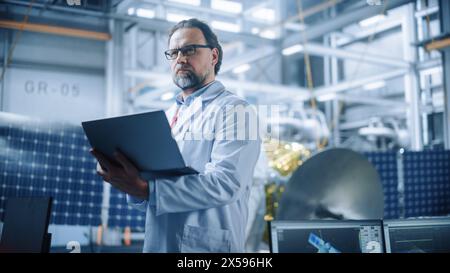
(191, 72)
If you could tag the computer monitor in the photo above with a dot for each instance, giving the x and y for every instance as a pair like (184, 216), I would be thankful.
(326, 236)
(25, 225)
(420, 235)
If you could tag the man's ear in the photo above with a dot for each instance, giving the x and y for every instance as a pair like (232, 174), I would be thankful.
(215, 58)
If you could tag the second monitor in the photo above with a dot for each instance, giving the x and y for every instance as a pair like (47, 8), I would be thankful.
(327, 236)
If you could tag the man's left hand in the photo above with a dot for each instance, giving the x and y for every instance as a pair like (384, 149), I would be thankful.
(124, 176)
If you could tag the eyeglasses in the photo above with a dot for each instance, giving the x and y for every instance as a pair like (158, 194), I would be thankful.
(188, 50)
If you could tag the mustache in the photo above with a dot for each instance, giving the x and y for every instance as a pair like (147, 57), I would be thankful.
(179, 67)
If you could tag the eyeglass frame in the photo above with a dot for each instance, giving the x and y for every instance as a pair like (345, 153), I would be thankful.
(181, 49)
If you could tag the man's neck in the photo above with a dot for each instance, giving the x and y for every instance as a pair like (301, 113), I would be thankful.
(188, 92)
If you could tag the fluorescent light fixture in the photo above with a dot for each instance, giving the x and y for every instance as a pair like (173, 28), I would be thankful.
(175, 17)
(264, 14)
(147, 13)
(372, 20)
(187, 2)
(326, 97)
(255, 30)
(225, 26)
(268, 34)
(131, 11)
(294, 26)
(374, 85)
(292, 50)
(227, 6)
(241, 69)
(167, 96)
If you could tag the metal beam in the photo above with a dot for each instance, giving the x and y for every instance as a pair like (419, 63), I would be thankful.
(350, 84)
(114, 70)
(4, 33)
(371, 101)
(444, 13)
(441, 44)
(62, 31)
(411, 79)
(427, 11)
(320, 50)
(381, 27)
(114, 93)
(153, 24)
(435, 62)
(343, 20)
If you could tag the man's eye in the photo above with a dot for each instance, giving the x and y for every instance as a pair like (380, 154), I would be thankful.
(174, 53)
(189, 51)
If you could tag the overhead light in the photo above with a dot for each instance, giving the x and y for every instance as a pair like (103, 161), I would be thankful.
(294, 26)
(255, 30)
(268, 34)
(292, 50)
(228, 6)
(372, 20)
(327, 97)
(225, 26)
(264, 14)
(374, 85)
(131, 11)
(175, 17)
(188, 2)
(167, 96)
(147, 13)
(241, 69)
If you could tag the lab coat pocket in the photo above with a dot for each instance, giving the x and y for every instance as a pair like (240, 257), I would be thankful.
(200, 239)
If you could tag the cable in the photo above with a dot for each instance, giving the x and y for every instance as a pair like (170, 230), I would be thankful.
(307, 60)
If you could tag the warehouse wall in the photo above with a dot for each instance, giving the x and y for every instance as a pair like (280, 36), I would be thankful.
(56, 77)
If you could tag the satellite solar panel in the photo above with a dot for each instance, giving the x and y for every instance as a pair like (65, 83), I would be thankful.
(123, 215)
(50, 159)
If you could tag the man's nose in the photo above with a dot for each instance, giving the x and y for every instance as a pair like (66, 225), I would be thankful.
(181, 58)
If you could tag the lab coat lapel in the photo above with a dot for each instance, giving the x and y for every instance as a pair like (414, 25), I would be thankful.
(183, 122)
(171, 112)
(194, 110)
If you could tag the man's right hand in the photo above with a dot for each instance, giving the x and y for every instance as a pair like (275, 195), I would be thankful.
(124, 177)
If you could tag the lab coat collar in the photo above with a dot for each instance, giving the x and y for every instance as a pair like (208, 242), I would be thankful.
(207, 92)
(195, 105)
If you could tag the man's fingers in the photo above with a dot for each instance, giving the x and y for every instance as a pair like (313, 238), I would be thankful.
(103, 173)
(100, 167)
(104, 176)
(102, 159)
(124, 161)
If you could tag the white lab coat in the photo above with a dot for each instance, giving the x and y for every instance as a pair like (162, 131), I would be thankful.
(206, 212)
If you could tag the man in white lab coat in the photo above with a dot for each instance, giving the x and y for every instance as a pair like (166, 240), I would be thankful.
(206, 212)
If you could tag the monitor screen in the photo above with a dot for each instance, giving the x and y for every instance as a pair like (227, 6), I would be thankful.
(326, 236)
(426, 235)
(25, 224)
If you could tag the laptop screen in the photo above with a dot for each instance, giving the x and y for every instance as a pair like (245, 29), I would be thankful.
(326, 236)
(426, 235)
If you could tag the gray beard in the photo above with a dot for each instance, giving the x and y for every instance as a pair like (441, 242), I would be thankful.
(188, 80)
